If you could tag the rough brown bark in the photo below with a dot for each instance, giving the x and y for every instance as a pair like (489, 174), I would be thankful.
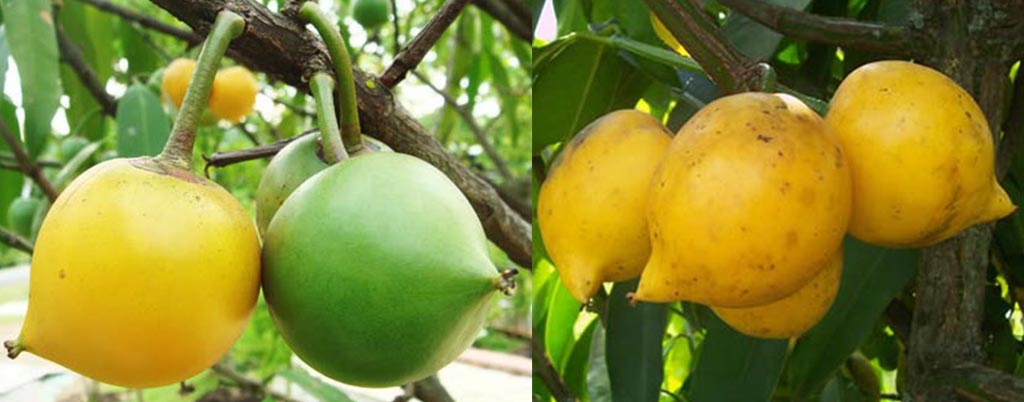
(278, 46)
(975, 46)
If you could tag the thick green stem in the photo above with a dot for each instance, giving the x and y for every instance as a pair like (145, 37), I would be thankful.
(348, 110)
(178, 150)
(321, 85)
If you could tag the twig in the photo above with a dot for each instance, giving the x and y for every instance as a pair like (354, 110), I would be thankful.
(144, 20)
(27, 167)
(513, 14)
(481, 136)
(397, 28)
(275, 44)
(248, 134)
(430, 390)
(15, 241)
(71, 55)
(413, 53)
(251, 383)
(543, 369)
(46, 163)
(512, 332)
(844, 32)
(221, 159)
(704, 40)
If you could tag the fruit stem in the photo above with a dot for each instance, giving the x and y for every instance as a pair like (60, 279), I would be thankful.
(766, 77)
(14, 348)
(178, 150)
(322, 85)
(507, 281)
(348, 110)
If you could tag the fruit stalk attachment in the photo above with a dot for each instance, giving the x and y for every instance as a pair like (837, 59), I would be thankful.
(14, 348)
(507, 281)
(348, 110)
(321, 85)
(178, 151)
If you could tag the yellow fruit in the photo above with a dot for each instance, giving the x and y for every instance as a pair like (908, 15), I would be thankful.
(666, 36)
(177, 75)
(591, 207)
(234, 93)
(793, 315)
(920, 153)
(141, 278)
(749, 203)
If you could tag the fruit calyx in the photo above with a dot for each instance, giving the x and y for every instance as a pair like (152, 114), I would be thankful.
(506, 282)
(178, 151)
(13, 347)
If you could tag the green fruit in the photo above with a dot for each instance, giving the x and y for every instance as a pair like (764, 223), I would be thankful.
(371, 13)
(20, 215)
(292, 165)
(71, 146)
(376, 271)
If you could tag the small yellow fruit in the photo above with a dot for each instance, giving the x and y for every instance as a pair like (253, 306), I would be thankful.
(749, 203)
(141, 278)
(234, 93)
(177, 75)
(666, 36)
(793, 315)
(920, 153)
(591, 207)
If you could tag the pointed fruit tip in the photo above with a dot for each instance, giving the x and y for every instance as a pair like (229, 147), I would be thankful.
(999, 207)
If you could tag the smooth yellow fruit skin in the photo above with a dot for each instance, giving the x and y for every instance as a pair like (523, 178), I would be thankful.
(591, 207)
(141, 279)
(793, 315)
(177, 75)
(749, 203)
(234, 93)
(920, 152)
(666, 36)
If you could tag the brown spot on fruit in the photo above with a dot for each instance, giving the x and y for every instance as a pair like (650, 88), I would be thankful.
(764, 138)
(792, 238)
(61, 274)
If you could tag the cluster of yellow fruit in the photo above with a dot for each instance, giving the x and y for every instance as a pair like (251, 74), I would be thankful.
(745, 209)
(234, 89)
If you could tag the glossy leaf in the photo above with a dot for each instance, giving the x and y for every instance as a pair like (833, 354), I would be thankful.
(872, 276)
(558, 331)
(579, 81)
(575, 370)
(142, 125)
(598, 387)
(732, 367)
(92, 32)
(633, 350)
(753, 39)
(33, 42)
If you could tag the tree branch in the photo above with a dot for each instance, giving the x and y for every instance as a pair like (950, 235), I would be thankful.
(478, 132)
(144, 20)
(72, 56)
(15, 241)
(543, 369)
(282, 49)
(513, 14)
(704, 40)
(430, 390)
(27, 167)
(222, 159)
(844, 32)
(413, 53)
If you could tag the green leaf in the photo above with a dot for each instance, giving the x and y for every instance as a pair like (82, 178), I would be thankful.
(558, 331)
(633, 348)
(599, 388)
(141, 56)
(635, 20)
(91, 31)
(575, 370)
(33, 43)
(753, 39)
(570, 15)
(10, 180)
(142, 126)
(872, 276)
(5, 52)
(732, 367)
(316, 387)
(580, 80)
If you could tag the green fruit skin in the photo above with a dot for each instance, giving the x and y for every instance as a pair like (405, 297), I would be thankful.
(20, 215)
(371, 13)
(292, 165)
(376, 271)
